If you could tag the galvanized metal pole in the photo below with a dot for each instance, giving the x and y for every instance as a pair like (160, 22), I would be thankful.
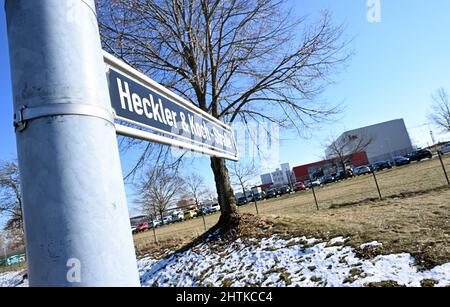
(376, 183)
(256, 202)
(76, 217)
(203, 217)
(315, 198)
(443, 167)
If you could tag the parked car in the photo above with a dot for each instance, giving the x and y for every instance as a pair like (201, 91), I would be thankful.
(284, 190)
(399, 161)
(272, 193)
(445, 149)
(300, 186)
(362, 170)
(204, 210)
(316, 183)
(256, 197)
(381, 165)
(190, 214)
(214, 208)
(343, 175)
(133, 230)
(242, 201)
(142, 227)
(177, 216)
(420, 155)
(327, 179)
(167, 220)
(155, 223)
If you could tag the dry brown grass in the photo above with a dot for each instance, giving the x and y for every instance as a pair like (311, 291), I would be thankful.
(16, 267)
(413, 217)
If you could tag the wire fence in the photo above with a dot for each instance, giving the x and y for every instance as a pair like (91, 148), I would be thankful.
(426, 176)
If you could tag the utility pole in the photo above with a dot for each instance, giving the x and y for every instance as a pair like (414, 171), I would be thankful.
(76, 217)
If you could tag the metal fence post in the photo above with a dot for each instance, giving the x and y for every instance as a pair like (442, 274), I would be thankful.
(376, 183)
(256, 207)
(203, 216)
(315, 198)
(256, 202)
(154, 233)
(443, 168)
(77, 226)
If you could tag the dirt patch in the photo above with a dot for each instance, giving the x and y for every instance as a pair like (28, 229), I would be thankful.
(368, 252)
(428, 283)
(384, 284)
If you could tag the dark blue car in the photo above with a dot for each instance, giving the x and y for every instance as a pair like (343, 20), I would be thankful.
(399, 161)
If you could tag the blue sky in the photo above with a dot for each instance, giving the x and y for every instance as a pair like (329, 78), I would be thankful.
(397, 64)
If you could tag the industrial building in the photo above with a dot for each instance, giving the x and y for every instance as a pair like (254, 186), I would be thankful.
(385, 141)
(281, 176)
(316, 170)
(266, 179)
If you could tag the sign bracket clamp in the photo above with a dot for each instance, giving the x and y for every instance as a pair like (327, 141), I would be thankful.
(24, 114)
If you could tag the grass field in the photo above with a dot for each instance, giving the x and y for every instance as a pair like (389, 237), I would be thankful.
(413, 216)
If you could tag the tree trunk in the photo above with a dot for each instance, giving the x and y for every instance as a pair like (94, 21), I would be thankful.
(229, 217)
(344, 167)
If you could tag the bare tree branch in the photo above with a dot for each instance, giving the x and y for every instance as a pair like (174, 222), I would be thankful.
(158, 189)
(242, 175)
(342, 148)
(440, 110)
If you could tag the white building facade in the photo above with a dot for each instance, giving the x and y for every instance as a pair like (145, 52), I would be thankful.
(386, 140)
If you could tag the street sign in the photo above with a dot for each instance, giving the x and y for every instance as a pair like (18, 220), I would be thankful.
(166, 117)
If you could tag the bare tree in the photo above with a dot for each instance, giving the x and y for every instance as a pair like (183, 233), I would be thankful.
(195, 187)
(440, 110)
(3, 244)
(238, 60)
(10, 197)
(242, 175)
(342, 148)
(11, 204)
(159, 189)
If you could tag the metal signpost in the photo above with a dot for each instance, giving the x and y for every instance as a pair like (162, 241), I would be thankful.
(77, 226)
(75, 211)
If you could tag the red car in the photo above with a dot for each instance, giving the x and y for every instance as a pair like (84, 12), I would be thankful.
(142, 227)
(300, 187)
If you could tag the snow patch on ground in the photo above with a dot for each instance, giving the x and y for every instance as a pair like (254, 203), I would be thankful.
(278, 262)
(275, 262)
(13, 279)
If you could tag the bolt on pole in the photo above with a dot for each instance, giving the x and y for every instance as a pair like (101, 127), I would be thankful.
(77, 226)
